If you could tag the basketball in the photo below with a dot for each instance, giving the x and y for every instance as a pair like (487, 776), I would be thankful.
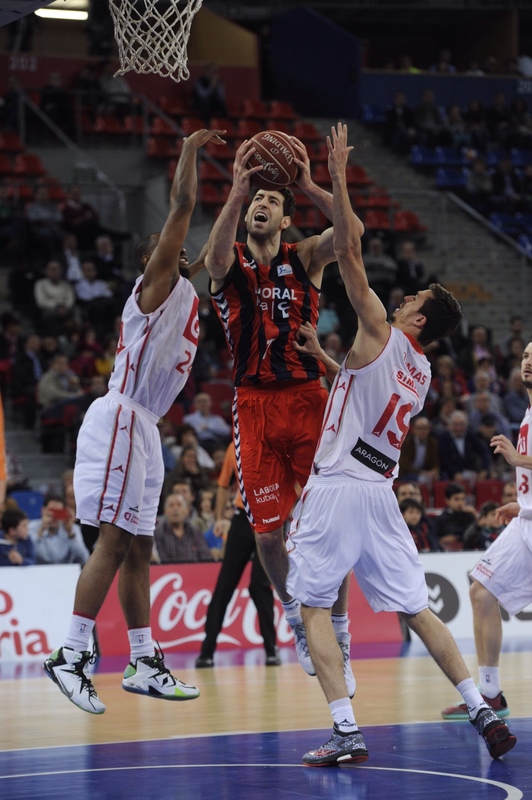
(275, 152)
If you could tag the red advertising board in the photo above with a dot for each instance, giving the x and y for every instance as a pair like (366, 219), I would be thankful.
(180, 597)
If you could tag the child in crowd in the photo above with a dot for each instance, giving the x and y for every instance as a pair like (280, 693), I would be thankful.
(423, 535)
(480, 534)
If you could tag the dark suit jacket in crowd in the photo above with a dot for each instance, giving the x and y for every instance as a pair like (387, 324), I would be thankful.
(476, 455)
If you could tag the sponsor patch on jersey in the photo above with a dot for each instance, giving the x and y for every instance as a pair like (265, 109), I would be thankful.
(401, 376)
(284, 269)
(373, 459)
(249, 264)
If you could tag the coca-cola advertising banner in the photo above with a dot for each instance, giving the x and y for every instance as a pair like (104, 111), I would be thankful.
(180, 597)
(35, 609)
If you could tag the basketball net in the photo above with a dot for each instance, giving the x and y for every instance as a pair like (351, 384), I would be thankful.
(152, 39)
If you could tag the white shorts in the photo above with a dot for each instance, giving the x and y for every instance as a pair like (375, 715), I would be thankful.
(341, 523)
(119, 469)
(506, 566)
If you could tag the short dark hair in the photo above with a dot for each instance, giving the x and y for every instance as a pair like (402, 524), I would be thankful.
(11, 518)
(443, 314)
(453, 488)
(143, 248)
(410, 502)
(289, 202)
(487, 508)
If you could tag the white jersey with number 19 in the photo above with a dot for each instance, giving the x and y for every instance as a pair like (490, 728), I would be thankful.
(369, 411)
(155, 351)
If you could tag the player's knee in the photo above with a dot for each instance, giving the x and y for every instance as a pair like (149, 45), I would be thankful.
(480, 597)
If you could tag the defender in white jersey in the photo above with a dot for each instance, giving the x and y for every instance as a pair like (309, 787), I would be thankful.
(503, 573)
(119, 470)
(348, 513)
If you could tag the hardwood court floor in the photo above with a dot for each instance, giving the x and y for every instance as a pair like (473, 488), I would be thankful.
(247, 731)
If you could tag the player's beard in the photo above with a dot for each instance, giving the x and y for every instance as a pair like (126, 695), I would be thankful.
(527, 383)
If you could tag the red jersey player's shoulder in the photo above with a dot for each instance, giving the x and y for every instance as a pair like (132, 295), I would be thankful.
(305, 249)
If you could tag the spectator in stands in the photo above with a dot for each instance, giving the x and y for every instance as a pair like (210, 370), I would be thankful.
(447, 382)
(17, 549)
(105, 361)
(107, 262)
(381, 269)
(429, 121)
(420, 459)
(176, 540)
(405, 65)
(462, 453)
(116, 97)
(55, 300)
(70, 258)
(498, 119)
(44, 220)
(16, 478)
(87, 81)
(397, 296)
(507, 187)
(56, 537)
(332, 345)
(206, 517)
(58, 387)
(477, 347)
(26, 372)
(422, 532)
(80, 218)
(95, 299)
(185, 436)
(520, 124)
(329, 321)
(10, 102)
(211, 429)
(187, 467)
(456, 517)
(50, 348)
(516, 330)
(509, 493)
(206, 363)
(483, 532)
(475, 118)
(56, 103)
(480, 408)
(527, 188)
(400, 128)
(457, 126)
(515, 401)
(184, 487)
(410, 270)
(209, 94)
(479, 187)
(514, 357)
(444, 63)
(482, 383)
(10, 335)
(489, 426)
(11, 227)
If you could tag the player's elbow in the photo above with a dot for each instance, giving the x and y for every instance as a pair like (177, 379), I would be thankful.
(183, 202)
(347, 250)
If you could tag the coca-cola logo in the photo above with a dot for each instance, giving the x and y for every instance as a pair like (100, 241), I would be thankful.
(179, 618)
(14, 640)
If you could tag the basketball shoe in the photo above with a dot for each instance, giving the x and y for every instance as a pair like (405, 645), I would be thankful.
(302, 651)
(148, 675)
(344, 640)
(494, 731)
(68, 669)
(340, 749)
(498, 704)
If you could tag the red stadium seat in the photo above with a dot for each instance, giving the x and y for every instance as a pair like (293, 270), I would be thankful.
(210, 172)
(210, 195)
(490, 490)
(222, 394)
(306, 132)
(255, 109)
(320, 173)
(175, 414)
(246, 128)
(29, 165)
(377, 220)
(357, 176)
(282, 110)
(191, 124)
(6, 167)
(10, 142)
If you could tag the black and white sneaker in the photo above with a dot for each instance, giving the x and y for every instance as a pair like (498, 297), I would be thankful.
(68, 669)
(149, 676)
(341, 748)
(494, 731)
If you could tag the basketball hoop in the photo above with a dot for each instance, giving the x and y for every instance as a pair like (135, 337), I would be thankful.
(152, 35)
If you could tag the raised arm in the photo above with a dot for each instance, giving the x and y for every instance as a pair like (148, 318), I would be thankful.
(162, 269)
(220, 254)
(347, 247)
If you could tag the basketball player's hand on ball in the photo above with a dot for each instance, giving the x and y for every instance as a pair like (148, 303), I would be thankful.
(304, 178)
(338, 151)
(242, 173)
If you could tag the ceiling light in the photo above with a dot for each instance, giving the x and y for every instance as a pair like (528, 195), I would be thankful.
(54, 13)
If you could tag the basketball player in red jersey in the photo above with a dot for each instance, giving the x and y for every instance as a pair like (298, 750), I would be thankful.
(263, 290)
(348, 513)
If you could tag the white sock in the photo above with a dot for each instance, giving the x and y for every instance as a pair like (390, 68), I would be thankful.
(292, 612)
(340, 623)
(140, 643)
(79, 633)
(343, 716)
(489, 681)
(472, 697)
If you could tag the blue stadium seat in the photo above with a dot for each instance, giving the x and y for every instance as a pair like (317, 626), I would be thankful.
(526, 243)
(520, 158)
(494, 156)
(525, 221)
(29, 501)
(423, 156)
(373, 114)
(506, 223)
(450, 157)
(450, 178)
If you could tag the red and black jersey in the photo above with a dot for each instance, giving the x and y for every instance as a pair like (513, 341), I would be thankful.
(261, 308)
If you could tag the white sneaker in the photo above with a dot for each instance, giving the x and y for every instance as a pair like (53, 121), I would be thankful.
(68, 669)
(150, 676)
(302, 651)
(344, 640)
